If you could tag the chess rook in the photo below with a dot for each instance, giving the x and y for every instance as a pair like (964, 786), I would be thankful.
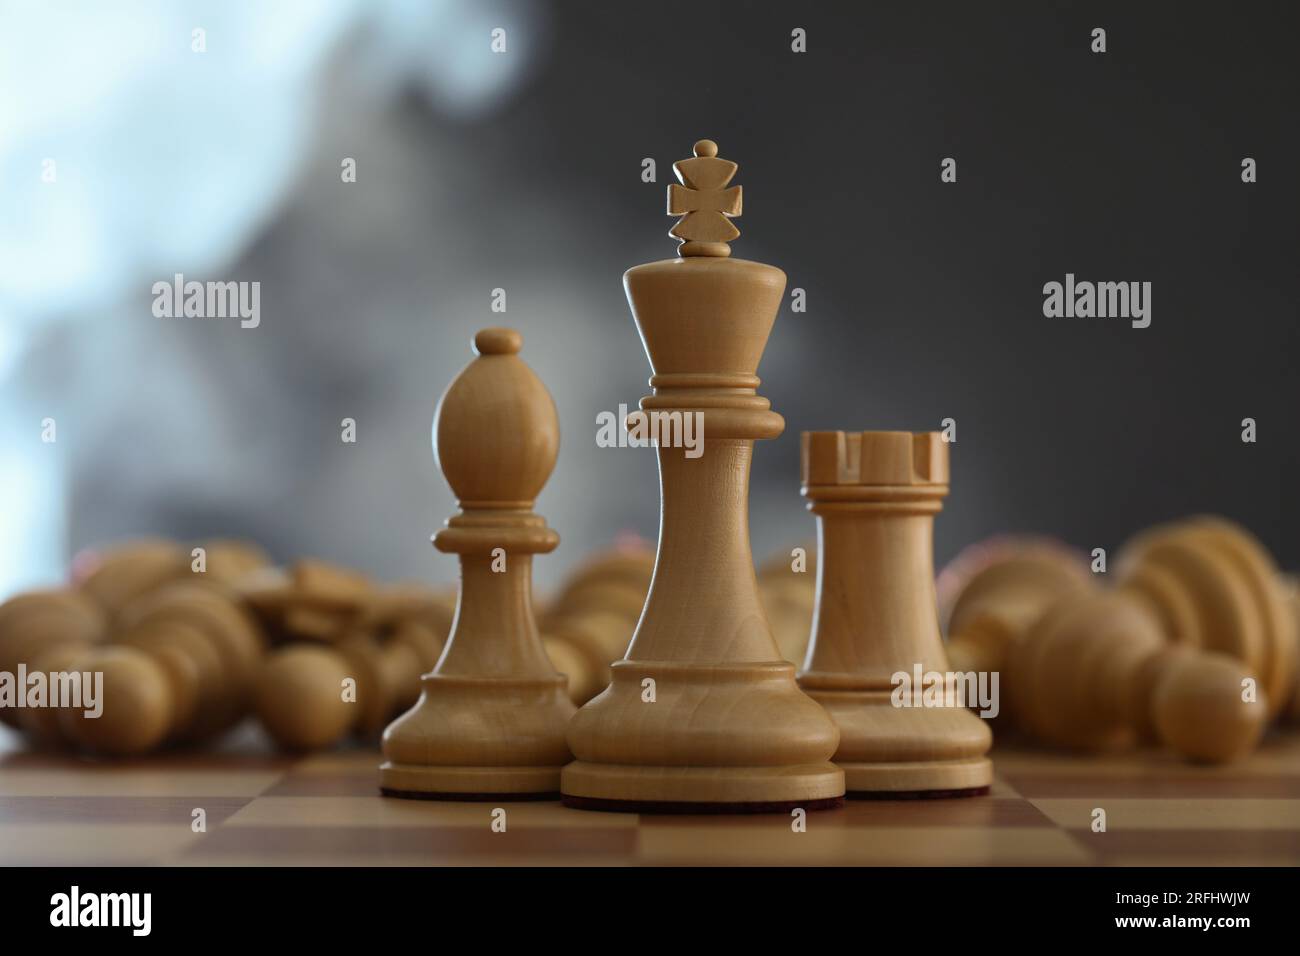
(491, 716)
(875, 495)
(702, 714)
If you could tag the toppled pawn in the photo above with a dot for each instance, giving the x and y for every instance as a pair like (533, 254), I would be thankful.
(1095, 673)
(34, 625)
(179, 672)
(1091, 670)
(590, 623)
(116, 576)
(310, 696)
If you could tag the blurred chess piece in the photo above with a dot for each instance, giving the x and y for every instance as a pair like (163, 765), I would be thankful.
(115, 576)
(1214, 586)
(1291, 584)
(180, 652)
(589, 624)
(1192, 647)
(787, 585)
(310, 694)
(38, 630)
(312, 600)
(178, 637)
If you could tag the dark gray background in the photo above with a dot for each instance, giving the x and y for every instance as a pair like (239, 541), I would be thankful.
(924, 298)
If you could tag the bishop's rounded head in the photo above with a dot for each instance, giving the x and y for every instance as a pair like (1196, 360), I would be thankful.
(496, 433)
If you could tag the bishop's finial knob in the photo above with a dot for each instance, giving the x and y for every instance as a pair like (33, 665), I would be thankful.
(705, 202)
(496, 432)
(498, 341)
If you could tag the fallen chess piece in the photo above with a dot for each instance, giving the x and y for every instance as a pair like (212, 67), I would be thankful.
(309, 695)
(1191, 648)
(178, 670)
(1292, 586)
(312, 601)
(114, 577)
(40, 623)
(589, 624)
(1214, 586)
(789, 596)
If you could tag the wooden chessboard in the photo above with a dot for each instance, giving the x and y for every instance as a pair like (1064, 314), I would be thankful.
(267, 809)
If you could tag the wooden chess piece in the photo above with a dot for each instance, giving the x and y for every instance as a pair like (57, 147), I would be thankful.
(1291, 586)
(179, 671)
(229, 561)
(875, 495)
(490, 720)
(220, 647)
(116, 576)
(994, 591)
(590, 623)
(139, 704)
(1090, 669)
(37, 622)
(702, 714)
(1096, 673)
(312, 601)
(789, 593)
(1214, 586)
(309, 696)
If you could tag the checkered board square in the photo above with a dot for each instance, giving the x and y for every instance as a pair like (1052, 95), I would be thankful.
(325, 810)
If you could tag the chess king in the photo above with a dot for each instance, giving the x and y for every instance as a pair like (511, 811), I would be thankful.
(702, 714)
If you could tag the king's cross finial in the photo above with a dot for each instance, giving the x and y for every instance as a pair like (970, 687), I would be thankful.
(704, 202)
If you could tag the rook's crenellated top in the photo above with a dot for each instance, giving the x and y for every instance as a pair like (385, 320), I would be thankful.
(874, 458)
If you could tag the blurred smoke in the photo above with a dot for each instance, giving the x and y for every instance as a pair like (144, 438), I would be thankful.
(129, 156)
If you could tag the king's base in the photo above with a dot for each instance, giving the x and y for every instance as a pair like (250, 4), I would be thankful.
(635, 789)
(667, 807)
(918, 779)
(468, 783)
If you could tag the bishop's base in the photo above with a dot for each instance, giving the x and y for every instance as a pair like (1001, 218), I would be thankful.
(468, 783)
(918, 779)
(636, 789)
